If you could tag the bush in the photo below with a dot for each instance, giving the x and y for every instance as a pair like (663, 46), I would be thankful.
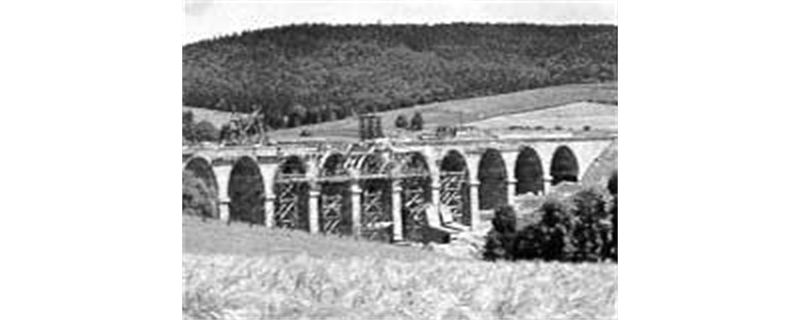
(592, 229)
(500, 240)
(206, 131)
(188, 126)
(548, 238)
(612, 183)
(610, 250)
(198, 199)
(401, 122)
(577, 229)
(417, 123)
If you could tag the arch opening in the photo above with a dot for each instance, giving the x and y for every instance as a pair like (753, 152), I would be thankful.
(335, 201)
(246, 191)
(454, 179)
(493, 190)
(564, 166)
(528, 172)
(376, 199)
(201, 172)
(292, 191)
(415, 180)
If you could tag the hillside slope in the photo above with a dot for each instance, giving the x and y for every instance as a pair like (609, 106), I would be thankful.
(466, 110)
(306, 74)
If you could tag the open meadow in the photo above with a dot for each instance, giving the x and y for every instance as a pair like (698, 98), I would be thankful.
(242, 272)
(455, 112)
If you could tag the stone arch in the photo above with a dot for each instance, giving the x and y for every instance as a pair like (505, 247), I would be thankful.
(492, 175)
(415, 181)
(201, 168)
(454, 180)
(376, 197)
(528, 172)
(291, 187)
(335, 198)
(564, 166)
(246, 191)
(333, 164)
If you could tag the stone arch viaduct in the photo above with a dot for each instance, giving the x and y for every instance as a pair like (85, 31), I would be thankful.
(379, 189)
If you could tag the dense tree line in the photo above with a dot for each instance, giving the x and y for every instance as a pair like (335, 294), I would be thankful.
(303, 74)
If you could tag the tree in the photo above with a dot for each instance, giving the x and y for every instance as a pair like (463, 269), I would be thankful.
(401, 122)
(591, 231)
(547, 239)
(500, 240)
(198, 199)
(206, 131)
(188, 126)
(612, 183)
(416, 122)
(610, 250)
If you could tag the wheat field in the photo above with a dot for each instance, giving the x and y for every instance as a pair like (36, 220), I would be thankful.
(341, 278)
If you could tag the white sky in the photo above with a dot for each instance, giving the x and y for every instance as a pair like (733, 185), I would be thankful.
(206, 18)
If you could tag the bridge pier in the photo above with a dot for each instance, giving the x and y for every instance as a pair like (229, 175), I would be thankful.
(397, 213)
(355, 208)
(436, 192)
(511, 188)
(269, 211)
(313, 210)
(548, 180)
(223, 174)
(224, 209)
(474, 206)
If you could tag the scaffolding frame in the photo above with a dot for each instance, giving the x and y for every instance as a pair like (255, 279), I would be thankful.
(453, 195)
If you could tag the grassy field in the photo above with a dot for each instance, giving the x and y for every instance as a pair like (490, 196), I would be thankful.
(572, 116)
(217, 118)
(242, 272)
(215, 237)
(467, 110)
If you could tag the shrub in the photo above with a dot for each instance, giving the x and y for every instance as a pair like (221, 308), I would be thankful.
(505, 219)
(612, 183)
(500, 240)
(547, 239)
(206, 131)
(592, 228)
(576, 229)
(188, 126)
(417, 123)
(198, 199)
(610, 249)
(401, 122)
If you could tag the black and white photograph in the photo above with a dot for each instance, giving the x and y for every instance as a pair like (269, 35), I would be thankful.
(399, 160)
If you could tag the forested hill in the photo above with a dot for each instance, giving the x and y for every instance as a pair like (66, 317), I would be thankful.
(305, 74)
